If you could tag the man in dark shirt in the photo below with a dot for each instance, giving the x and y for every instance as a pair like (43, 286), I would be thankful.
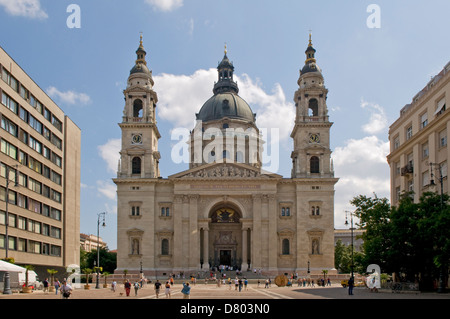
(157, 287)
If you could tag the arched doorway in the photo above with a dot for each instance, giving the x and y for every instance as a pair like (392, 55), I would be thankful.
(225, 236)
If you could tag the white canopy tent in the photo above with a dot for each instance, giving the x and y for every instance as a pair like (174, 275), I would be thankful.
(5, 266)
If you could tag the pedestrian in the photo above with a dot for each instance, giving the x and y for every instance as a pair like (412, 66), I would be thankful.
(240, 284)
(328, 282)
(127, 286)
(57, 285)
(45, 283)
(186, 291)
(350, 285)
(113, 286)
(245, 283)
(66, 290)
(236, 283)
(157, 287)
(136, 288)
(167, 291)
(312, 282)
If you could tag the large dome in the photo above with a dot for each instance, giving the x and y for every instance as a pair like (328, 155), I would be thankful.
(223, 105)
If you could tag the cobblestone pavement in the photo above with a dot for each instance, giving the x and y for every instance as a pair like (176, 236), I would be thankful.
(212, 291)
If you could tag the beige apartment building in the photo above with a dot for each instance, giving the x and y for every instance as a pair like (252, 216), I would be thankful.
(40, 151)
(418, 141)
(225, 210)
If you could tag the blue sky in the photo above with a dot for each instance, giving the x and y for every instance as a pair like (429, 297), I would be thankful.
(371, 73)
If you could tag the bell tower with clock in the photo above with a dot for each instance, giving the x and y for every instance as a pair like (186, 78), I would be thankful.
(139, 152)
(311, 157)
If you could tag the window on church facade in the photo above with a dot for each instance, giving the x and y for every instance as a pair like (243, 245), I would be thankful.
(315, 210)
(285, 247)
(313, 107)
(165, 247)
(314, 165)
(165, 211)
(285, 211)
(136, 165)
(135, 211)
(137, 108)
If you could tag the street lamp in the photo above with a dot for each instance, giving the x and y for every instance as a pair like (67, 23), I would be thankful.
(351, 229)
(441, 287)
(7, 285)
(98, 245)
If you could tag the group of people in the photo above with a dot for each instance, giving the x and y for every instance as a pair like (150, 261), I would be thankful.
(64, 288)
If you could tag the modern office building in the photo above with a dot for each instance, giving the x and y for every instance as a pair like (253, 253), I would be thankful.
(418, 141)
(40, 167)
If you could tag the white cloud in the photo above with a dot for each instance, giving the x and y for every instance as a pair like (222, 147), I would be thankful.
(378, 120)
(109, 152)
(362, 169)
(272, 110)
(69, 97)
(182, 96)
(25, 8)
(107, 189)
(165, 5)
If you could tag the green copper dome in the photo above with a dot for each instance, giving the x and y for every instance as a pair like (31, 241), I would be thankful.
(226, 102)
(225, 105)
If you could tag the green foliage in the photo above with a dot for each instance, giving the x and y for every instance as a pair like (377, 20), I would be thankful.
(411, 239)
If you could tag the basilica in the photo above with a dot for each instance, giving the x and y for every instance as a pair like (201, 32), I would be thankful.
(225, 210)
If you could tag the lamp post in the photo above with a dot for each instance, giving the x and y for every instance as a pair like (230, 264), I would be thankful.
(441, 287)
(98, 245)
(7, 285)
(351, 229)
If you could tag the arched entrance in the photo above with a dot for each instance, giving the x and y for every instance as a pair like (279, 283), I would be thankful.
(225, 236)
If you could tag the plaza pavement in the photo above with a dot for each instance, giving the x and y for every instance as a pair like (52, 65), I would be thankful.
(212, 291)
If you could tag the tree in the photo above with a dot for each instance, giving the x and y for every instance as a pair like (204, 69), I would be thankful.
(373, 215)
(410, 240)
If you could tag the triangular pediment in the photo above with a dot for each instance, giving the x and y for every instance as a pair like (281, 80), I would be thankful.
(224, 170)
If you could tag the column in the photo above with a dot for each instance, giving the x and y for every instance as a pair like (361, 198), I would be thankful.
(256, 233)
(177, 232)
(273, 237)
(194, 234)
(244, 250)
(206, 248)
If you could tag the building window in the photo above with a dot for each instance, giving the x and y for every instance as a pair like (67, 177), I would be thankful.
(443, 138)
(285, 247)
(165, 247)
(313, 107)
(285, 211)
(315, 210)
(165, 211)
(425, 151)
(135, 211)
(409, 133)
(314, 165)
(423, 120)
(137, 108)
(136, 165)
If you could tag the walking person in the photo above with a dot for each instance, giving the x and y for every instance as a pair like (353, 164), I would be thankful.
(127, 286)
(57, 285)
(157, 287)
(351, 283)
(186, 291)
(167, 291)
(136, 288)
(66, 290)
(45, 283)
(113, 286)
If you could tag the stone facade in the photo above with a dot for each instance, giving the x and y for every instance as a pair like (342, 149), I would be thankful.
(225, 210)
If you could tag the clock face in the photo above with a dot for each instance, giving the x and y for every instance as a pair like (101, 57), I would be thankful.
(136, 139)
(314, 138)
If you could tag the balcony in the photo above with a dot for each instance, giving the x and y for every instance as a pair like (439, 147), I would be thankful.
(406, 170)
